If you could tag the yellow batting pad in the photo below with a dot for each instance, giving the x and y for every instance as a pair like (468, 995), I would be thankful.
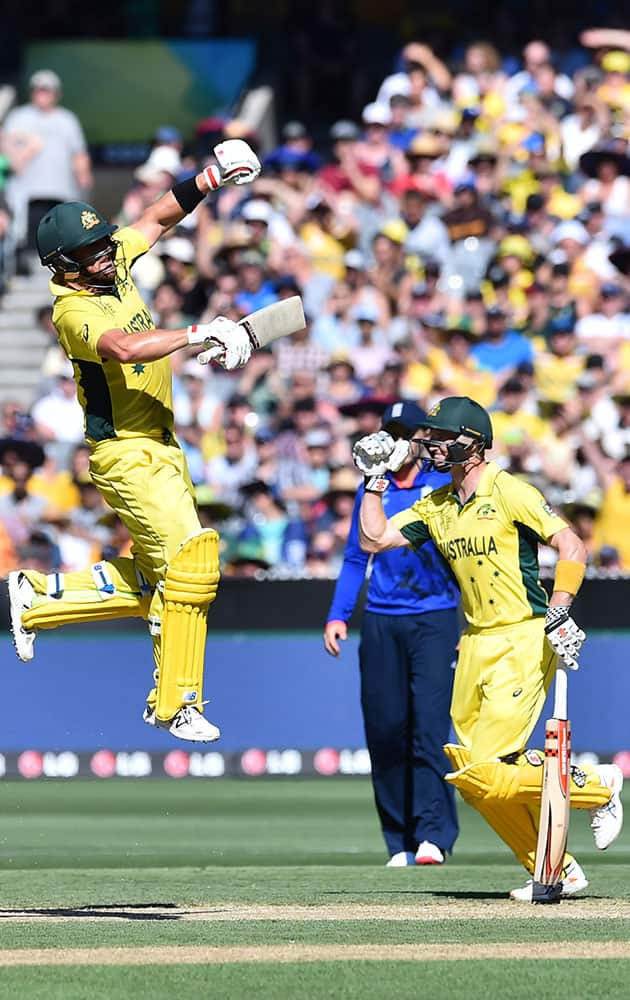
(512, 821)
(79, 600)
(190, 586)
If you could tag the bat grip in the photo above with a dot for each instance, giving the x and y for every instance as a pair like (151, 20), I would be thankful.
(560, 692)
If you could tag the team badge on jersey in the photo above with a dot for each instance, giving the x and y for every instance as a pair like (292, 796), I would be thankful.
(89, 219)
(486, 512)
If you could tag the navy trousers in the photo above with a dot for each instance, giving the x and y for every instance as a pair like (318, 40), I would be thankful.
(407, 673)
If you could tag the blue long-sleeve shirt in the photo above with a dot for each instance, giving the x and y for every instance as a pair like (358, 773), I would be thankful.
(403, 581)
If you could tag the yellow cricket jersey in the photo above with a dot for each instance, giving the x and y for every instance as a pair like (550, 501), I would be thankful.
(490, 544)
(119, 400)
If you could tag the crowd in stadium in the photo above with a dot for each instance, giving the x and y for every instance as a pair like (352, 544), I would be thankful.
(469, 235)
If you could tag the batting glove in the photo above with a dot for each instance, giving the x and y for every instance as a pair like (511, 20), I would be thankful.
(564, 636)
(237, 163)
(226, 342)
(376, 454)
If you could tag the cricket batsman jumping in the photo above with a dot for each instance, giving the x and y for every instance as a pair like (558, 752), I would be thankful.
(122, 370)
(488, 524)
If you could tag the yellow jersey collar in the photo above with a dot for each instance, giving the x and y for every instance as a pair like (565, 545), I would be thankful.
(485, 486)
(59, 291)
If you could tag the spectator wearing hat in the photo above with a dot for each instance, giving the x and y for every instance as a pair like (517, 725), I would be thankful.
(58, 416)
(256, 289)
(375, 149)
(373, 350)
(341, 386)
(614, 89)
(47, 152)
(152, 178)
(501, 349)
(408, 635)
(346, 172)
(424, 168)
(607, 165)
(400, 133)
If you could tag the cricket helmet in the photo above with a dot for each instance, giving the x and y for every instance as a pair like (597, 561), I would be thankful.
(469, 423)
(68, 227)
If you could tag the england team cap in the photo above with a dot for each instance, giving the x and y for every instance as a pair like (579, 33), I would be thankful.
(403, 417)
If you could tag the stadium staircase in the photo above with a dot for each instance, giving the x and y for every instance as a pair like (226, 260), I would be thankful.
(22, 343)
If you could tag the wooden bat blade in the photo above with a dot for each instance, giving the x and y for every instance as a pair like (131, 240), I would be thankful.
(277, 320)
(555, 803)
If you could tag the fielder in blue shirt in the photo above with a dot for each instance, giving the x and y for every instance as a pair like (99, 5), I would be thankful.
(409, 632)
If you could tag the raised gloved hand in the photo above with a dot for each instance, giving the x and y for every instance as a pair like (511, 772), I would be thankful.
(226, 342)
(237, 163)
(376, 454)
(564, 636)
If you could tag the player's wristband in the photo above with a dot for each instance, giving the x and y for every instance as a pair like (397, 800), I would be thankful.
(375, 484)
(569, 576)
(187, 195)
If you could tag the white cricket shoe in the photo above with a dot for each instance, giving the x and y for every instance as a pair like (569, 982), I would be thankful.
(403, 859)
(187, 724)
(21, 595)
(429, 854)
(607, 820)
(574, 881)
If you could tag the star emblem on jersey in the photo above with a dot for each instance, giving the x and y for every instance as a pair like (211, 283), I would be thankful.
(138, 369)
(89, 219)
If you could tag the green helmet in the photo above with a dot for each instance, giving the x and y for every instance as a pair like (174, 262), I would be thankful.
(461, 415)
(65, 228)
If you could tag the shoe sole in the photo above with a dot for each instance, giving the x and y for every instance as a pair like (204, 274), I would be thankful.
(151, 720)
(428, 861)
(564, 894)
(16, 617)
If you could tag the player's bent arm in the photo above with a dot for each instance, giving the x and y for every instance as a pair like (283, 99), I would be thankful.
(570, 567)
(166, 212)
(146, 345)
(376, 533)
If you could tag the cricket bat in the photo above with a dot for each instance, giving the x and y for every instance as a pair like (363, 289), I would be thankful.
(266, 325)
(277, 320)
(555, 803)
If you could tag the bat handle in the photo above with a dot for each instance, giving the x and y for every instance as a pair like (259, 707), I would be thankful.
(560, 692)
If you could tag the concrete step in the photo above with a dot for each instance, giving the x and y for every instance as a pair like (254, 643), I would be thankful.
(14, 356)
(28, 340)
(28, 300)
(17, 320)
(11, 376)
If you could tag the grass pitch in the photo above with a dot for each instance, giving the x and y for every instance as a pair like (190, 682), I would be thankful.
(277, 888)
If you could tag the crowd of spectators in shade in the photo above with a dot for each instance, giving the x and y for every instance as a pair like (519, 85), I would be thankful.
(470, 235)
